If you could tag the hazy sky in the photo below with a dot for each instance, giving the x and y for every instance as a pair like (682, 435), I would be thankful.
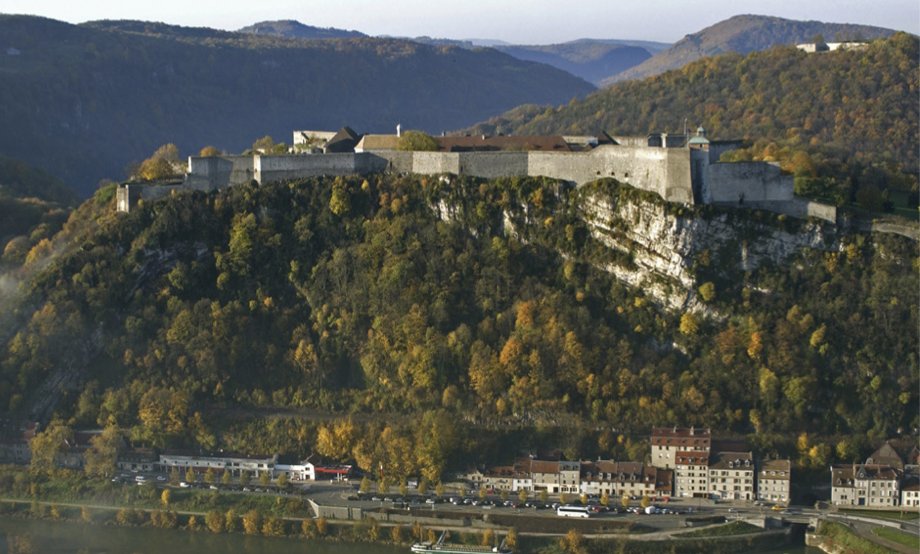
(519, 21)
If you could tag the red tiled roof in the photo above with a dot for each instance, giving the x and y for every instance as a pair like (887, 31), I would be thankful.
(681, 437)
(496, 143)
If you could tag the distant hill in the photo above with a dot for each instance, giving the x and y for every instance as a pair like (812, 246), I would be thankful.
(83, 101)
(592, 60)
(744, 34)
(843, 121)
(289, 28)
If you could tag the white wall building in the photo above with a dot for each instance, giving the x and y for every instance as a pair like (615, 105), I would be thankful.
(773, 481)
(691, 474)
(668, 441)
(731, 476)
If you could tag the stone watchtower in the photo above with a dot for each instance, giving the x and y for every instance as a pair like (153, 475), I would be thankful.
(699, 164)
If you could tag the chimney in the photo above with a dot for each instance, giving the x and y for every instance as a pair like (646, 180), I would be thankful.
(398, 130)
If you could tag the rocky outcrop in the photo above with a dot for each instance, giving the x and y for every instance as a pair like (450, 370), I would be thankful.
(668, 244)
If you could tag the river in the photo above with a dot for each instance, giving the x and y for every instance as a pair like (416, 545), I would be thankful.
(28, 536)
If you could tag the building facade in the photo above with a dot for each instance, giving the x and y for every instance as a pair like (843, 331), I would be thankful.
(668, 441)
(774, 481)
(731, 476)
(870, 485)
(691, 474)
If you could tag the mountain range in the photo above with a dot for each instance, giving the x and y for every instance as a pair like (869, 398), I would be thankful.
(83, 101)
(606, 61)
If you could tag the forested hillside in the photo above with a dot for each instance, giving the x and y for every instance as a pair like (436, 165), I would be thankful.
(294, 29)
(844, 122)
(471, 301)
(33, 206)
(743, 34)
(82, 102)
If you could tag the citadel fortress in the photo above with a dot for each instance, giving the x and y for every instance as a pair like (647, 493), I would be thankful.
(680, 168)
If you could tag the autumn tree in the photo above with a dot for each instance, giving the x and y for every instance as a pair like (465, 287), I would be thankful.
(48, 444)
(102, 453)
(252, 522)
(214, 520)
(163, 164)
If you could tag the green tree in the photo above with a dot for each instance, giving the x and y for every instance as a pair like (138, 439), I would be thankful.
(417, 141)
(688, 324)
(245, 478)
(707, 291)
(340, 201)
(264, 145)
(522, 495)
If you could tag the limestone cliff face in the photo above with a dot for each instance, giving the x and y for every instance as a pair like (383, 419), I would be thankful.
(668, 245)
(665, 249)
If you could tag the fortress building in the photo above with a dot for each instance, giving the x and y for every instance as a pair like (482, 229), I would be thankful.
(679, 168)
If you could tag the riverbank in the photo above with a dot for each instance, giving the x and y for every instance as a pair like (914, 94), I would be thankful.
(70, 496)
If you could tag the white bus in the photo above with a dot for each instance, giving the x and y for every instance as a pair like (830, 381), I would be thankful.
(573, 511)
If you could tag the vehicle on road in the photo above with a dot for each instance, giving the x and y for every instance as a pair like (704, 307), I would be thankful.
(573, 511)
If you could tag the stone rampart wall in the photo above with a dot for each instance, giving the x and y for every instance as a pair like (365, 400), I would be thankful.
(665, 171)
(279, 168)
(429, 163)
(219, 171)
(749, 182)
(492, 165)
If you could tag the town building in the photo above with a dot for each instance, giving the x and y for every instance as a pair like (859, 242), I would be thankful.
(668, 441)
(14, 441)
(691, 474)
(774, 481)
(236, 464)
(294, 469)
(633, 479)
(869, 485)
(545, 475)
(139, 459)
(731, 476)
(910, 490)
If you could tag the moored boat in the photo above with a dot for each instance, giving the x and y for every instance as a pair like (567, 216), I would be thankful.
(442, 547)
